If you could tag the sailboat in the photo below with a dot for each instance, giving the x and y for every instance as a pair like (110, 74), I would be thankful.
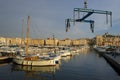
(4, 59)
(32, 60)
(4, 54)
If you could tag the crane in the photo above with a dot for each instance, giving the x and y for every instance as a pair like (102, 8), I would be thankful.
(85, 3)
(88, 12)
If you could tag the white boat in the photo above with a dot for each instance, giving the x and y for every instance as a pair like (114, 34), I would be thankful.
(65, 52)
(33, 60)
(4, 58)
(100, 49)
(50, 55)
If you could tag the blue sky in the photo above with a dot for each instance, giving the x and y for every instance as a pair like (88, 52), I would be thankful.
(47, 17)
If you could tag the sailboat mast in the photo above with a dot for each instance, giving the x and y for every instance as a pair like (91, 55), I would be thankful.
(54, 43)
(22, 34)
(27, 34)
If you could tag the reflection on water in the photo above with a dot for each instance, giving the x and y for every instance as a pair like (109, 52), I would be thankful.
(46, 69)
(85, 50)
(4, 64)
(66, 59)
(35, 72)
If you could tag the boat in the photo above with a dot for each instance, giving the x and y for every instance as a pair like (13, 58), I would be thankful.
(100, 49)
(4, 59)
(65, 52)
(33, 59)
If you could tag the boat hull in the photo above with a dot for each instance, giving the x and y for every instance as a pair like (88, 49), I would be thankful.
(4, 59)
(35, 62)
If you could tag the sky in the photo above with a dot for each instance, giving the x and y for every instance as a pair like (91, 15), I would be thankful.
(47, 18)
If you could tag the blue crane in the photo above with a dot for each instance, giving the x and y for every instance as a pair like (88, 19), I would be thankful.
(87, 12)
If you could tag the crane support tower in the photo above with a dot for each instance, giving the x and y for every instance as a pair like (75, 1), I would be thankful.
(87, 12)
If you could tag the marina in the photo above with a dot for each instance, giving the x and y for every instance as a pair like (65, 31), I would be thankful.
(85, 65)
(38, 42)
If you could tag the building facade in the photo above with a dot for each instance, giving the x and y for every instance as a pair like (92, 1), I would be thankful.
(42, 42)
(51, 42)
(108, 40)
(79, 42)
(2, 41)
(38, 42)
(65, 42)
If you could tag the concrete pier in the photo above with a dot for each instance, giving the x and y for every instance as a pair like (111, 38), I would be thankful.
(114, 60)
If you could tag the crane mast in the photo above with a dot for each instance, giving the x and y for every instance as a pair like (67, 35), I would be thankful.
(85, 3)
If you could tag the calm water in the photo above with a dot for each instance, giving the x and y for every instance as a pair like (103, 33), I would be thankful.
(84, 66)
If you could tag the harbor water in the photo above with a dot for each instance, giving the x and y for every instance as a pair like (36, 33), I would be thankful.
(86, 65)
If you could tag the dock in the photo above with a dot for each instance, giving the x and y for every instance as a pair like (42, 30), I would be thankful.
(114, 60)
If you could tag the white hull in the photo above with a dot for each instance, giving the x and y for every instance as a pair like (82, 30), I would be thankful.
(65, 53)
(51, 62)
(4, 59)
(100, 49)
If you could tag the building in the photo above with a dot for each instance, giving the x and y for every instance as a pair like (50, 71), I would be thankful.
(38, 42)
(108, 40)
(42, 42)
(13, 41)
(65, 42)
(79, 42)
(2, 41)
(51, 42)
(99, 40)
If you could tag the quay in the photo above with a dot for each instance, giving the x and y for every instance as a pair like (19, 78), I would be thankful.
(112, 57)
(114, 60)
